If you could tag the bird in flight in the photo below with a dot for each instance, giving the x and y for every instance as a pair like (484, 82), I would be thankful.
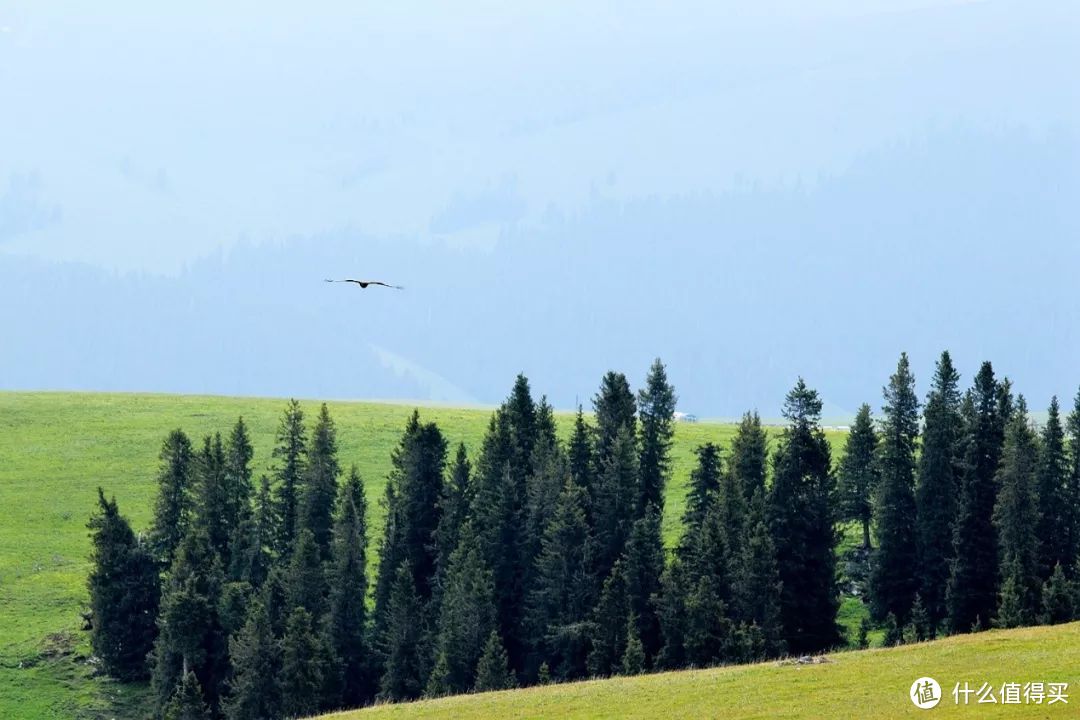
(365, 283)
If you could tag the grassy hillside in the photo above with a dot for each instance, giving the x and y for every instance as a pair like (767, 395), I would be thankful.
(854, 685)
(56, 448)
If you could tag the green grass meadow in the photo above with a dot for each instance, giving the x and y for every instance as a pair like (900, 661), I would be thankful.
(57, 448)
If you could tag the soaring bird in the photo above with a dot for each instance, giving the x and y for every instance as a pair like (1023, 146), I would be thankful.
(365, 283)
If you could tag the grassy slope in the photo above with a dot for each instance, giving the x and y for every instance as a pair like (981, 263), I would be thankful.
(855, 685)
(56, 448)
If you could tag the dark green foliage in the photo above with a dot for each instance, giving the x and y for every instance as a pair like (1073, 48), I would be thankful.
(1051, 482)
(863, 640)
(213, 495)
(347, 616)
(255, 654)
(172, 509)
(251, 554)
(305, 583)
(708, 637)
(672, 611)
(190, 635)
(303, 663)
(543, 676)
(561, 595)
(404, 644)
(1016, 517)
(757, 587)
(321, 484)
(609, 625)
(894, 634)
(633, 660)
(466, 620)
(187, 702)
(748, 459)
(615, 501)
(580, 453)
(454, 506)
(893, 580)
(291, 453)
(1057, 601)
(801, 523)
(232, 607)
(644, 566)
(615, 411)
(920, 620)
(1071, 496)
(973, 581)
(546, 482)
(704, 489)
(493, 672)
(238, 487)
(935, 492)
(123, 586)
(857, 479)
(656, 412)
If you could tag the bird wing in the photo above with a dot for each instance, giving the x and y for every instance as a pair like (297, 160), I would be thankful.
(392, 287)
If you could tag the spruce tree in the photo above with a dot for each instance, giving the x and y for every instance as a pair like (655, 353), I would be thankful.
(190, 635)
(305, 583)
(609, 625)
(255, 654)
(454, 508)
(1071, 496)
(291, 454)
(493, 672)
(251, 549)
(466, 620)
(1051, 482)
(935, 493)
(709, 634)
(615, 502)
(748, 459)
(672, 611)
(580, 453)
(321, 483)
(615, 410)
(303, 663)
(801, 523)
(1057, 601)
(972, 595)
(656, 411)
(704, 489)
(405, 668)
(172, 509)
(1016, 516)
(561, 596)
(545, 483)
(213, 495)
(633, 660)
(757, 587)
(857, 479)
(123, 586)
(893, 581)
(347, 616)
(187, 702)
(920, 620)
(644, 567)
(238, 486)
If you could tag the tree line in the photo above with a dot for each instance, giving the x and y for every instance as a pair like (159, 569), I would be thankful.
(539, 560)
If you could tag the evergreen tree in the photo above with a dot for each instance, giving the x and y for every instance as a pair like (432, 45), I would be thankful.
(239, 488)
(187, 702)
(291, 453)
(801, 523)
(561, 595)
(1057, 601)
(672, 611)
(644, 567)
(255, 654)
(305, 584)
(708, 627)
(633, 660)
(935, 493)
(920, 620)
(972, 595)
(863, 640)
(656, 410)
(172, 509)
(251, 555)
(347, 616)
(894, 634)
(609, 625)
(748, 458)
(614, 502)
(704, 489)
(1051, 482)
(454, 507)
(1016, 516)
(893, 581)
(321, 483)
(615, 411)
(123, 586)
(1070, 519)
(757, 581)
(492, 672)
(858, 477)
(581, 453)
(467, 618)
(406, 664)
(545, 483)
(213, 495)
(303, 663)
(190, 635)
